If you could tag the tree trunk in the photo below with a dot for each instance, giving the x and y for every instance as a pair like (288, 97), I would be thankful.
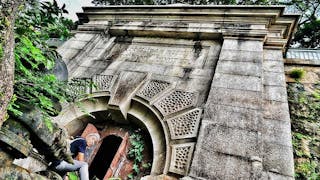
(8, 11)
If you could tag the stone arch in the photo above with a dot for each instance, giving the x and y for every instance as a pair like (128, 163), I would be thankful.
(170, 115)
(139, 114)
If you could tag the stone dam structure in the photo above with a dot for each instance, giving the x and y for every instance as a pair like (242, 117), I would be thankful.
(205, 84)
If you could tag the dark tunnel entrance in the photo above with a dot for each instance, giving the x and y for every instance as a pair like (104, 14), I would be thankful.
(104, 157)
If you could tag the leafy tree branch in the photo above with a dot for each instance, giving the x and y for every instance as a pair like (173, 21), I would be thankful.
(32, 58)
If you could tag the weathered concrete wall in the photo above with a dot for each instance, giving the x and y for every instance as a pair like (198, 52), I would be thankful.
(167, 65)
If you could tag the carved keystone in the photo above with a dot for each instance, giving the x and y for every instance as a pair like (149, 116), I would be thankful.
(128, 84)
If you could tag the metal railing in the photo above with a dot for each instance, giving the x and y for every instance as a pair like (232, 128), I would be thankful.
(304, 54)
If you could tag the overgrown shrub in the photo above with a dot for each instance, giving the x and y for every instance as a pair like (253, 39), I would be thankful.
(305, 116)
(297, 73)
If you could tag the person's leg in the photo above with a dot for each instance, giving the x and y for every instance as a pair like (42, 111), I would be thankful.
(78, 165)
(84, 170)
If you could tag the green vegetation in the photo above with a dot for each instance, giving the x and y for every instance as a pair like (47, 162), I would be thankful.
(2, 32)
(297, 73)
(309, 34)
(136, 153)
(305, 114)
(73, 176)
(34, 58)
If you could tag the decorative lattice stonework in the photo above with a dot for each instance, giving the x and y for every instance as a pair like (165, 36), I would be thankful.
(78, 87)
(152, 89)
(103, 82)
(185, 125)
(176, 101)
(181, 158)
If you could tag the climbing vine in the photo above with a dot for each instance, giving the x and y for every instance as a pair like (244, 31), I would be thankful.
(136, 153)
(305, 115)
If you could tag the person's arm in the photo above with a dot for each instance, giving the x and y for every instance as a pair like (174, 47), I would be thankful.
(81, 151)
(80, 156)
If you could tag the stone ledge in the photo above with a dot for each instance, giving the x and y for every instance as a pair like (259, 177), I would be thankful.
(238, 21)
(306, 62)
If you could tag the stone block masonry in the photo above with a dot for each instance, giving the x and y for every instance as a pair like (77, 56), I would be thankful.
(207, 82)
(240, 140)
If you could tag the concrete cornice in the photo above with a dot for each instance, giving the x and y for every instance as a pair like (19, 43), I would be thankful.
(185, 6)
(188, 21)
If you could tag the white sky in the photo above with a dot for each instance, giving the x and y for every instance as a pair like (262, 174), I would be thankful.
(74, 6)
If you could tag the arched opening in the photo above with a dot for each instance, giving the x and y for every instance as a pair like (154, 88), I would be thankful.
(104, 157)
(140, 115)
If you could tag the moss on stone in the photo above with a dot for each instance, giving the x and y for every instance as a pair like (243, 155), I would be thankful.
(17, 128)
(304, 104)
(297, 73)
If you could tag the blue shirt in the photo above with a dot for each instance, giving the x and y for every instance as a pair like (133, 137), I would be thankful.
(78, 145)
